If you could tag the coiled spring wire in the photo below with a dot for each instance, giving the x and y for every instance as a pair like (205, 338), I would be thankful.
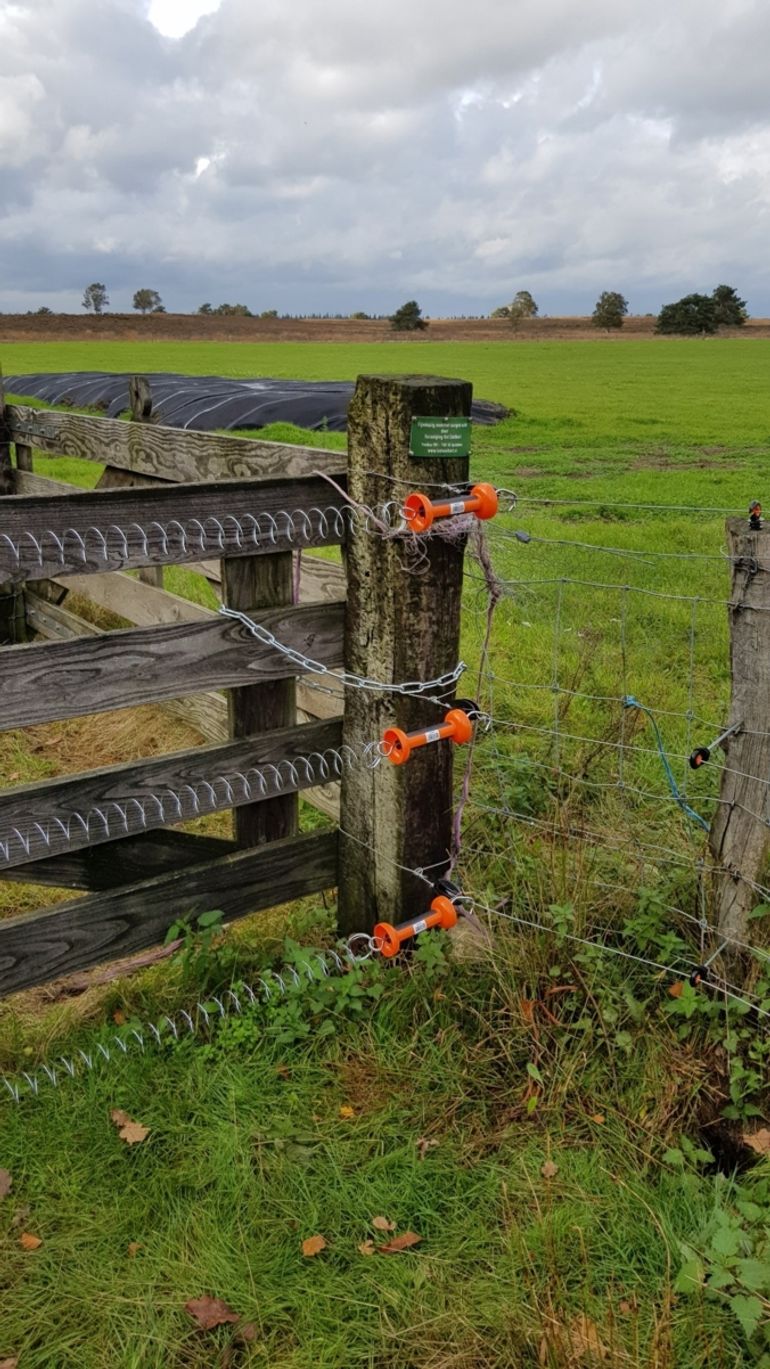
(319, 965)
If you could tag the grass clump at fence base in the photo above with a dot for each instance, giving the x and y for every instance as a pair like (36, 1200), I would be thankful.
(550, 1233)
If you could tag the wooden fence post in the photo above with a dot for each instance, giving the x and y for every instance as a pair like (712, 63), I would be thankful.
(400, 625)
(250, 583)
(140, 404)
(740, 836)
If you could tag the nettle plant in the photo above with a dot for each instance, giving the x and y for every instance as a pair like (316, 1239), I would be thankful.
(624, 998)
(730, 1260)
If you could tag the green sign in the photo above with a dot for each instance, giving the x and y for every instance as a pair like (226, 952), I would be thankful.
(440, 437)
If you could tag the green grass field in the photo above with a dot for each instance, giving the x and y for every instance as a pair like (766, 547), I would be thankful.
(643, 1247)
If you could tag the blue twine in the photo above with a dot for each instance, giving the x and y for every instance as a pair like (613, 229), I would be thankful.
(629, 701)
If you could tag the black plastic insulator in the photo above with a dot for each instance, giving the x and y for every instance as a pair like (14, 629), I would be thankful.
(468, 706)
(699, 756)
(699, 975)
(449, 889)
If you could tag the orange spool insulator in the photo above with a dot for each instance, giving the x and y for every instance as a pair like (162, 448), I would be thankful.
(420, 511)
(399, 745)
(443, 913)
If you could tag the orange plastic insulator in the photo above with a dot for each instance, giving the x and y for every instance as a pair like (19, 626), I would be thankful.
(420, 511)
(442, 914)
(456, 727)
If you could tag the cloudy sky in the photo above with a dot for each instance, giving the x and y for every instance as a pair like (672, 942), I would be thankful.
(350, 154)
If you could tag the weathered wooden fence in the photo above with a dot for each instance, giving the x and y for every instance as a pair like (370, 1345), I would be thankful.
(165, 498)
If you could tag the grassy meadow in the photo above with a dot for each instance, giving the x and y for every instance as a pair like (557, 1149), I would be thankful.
(562, 1133)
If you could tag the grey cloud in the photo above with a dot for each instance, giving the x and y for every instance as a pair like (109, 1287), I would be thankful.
(348, 155)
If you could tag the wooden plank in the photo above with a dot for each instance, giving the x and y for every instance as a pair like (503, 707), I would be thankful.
(120, 862)
(29, 482)
(124, 800)
(740, 835)
(319, 579)
(57, 680)
(142, 605)
(74, 936)
(249, 585)
(169, 453)
(397, 627)
(54, 622)
(119, 529)
(112, 478)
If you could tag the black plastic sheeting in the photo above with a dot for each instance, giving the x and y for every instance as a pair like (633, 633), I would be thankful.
(205, 403)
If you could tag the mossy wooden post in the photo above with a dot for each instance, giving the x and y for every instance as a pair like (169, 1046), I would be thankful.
(12, 626)
(250, 583)
(400, 625)
(740, 835)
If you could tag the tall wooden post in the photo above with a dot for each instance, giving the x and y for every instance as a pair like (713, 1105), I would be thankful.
(740, 834)
(400, 625)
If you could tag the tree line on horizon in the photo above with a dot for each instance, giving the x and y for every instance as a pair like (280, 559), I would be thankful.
(692, 315)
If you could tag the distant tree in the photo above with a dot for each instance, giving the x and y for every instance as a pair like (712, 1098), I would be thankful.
(611, 308)
(522, 306)
(269, 313)
(690, 315)
(232, 310)
(502, 311)
(359, 314)
(42, 312)
(408, 319)
(205, 309)
(95, 297)
(147, 301)
(730, 308)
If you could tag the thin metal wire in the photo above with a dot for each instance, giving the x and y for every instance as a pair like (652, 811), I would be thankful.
(525, 538)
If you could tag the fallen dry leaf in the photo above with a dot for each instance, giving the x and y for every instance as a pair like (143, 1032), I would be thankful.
(9, 1363)
(758, 1140)
(28, 1242)
(675, 990)
(133, 1132)
(424, 1145)
(382, 1224)
(549, 1170)
(403, 1242)
(210, 1312)
(133, 1249)
(366, 1248)
(248, 1331)
(6, 1183)
(599, 1118)
(128, 1130)
(527, 1006)
(313, 1246)
(585, 1339)
(119, 1017)
(283, 1071)
(346, 1111)
(625, 1307)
